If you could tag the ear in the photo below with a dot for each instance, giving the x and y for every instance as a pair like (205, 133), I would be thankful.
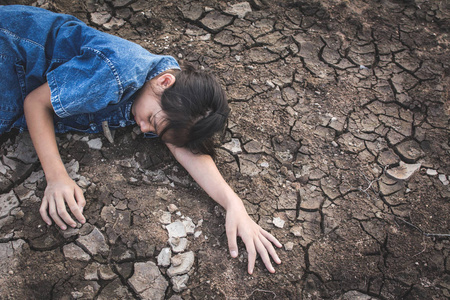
(165, 81)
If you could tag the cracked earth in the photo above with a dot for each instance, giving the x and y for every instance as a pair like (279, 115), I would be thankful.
(338, 144)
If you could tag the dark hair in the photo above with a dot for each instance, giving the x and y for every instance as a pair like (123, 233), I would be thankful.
(196, 108)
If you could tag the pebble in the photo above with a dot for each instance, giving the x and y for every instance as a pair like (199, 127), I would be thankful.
(179, 283)
(278, 222)
(187, 261)
(178, 244)
(176, 229)
(432, 172)
(172, 208)
(289, 246)
(443, 179)
(164, 257)
(165, 218)
(95, 144)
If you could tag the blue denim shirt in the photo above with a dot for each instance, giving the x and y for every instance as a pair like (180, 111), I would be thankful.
(93, 76)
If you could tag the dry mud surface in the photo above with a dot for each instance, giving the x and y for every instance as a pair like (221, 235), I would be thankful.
(338, 144)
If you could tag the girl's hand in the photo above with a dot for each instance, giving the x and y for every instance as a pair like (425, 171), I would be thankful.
(57, 193)
(256, 239)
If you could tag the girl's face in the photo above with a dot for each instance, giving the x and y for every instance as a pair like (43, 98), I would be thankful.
(147, 113)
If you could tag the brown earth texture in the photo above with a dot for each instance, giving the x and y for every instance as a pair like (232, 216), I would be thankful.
(338, 144)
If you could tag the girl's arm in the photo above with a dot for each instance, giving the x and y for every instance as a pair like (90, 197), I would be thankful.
(61, 189)
(238, 223)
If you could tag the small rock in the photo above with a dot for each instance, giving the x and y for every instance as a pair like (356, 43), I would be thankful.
(95, 144)
(114, 23)
(8, 202)
(431, 172)
(289, 246)
(178, 244)
(179, 283)
(410, 151)
(234, 146)
(403, 171)
(165, 218)
(172, 208)
(164, 257)
(176, 229)
(278, 222)
(189, 226)
(239, 9)
(187, 261)
(197, 234)
(443, 179)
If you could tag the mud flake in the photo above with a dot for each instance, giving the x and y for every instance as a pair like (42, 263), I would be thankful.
(410, 151)
(72, 251)
(215, 21)
(147, 281)
(94, 243)
(187, 261)
(403, 171)
(8, 202)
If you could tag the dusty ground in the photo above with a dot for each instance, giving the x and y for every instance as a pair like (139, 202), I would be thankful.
(328, 98)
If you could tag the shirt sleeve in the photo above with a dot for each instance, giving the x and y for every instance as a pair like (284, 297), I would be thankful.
(84, 84)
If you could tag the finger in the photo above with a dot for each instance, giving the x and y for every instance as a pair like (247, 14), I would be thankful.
(54, 214)
(43, 211)
(271, 238)
(269, 247)
(264, 255)
(250, 246)
(62, 211)
(79, 197)
(232, 243)
(77, 207)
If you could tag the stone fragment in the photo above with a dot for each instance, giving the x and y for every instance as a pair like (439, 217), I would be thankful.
(409, 151)
(172, 208)
(164, 257)
(94, 242)
(403, 171)
(239, 9)
(178, 244)
(95, 144)
(215, 21)
(147, 281)
(234, 146)
(72, 251)
(192, 11)
(443, 179)
(179, 283)
(187, 260)
(278, 222)
(100, 18)
(431, 172)
(289, 246)
(189, 226)
(8, 202)
(176, 229)
(165, 218)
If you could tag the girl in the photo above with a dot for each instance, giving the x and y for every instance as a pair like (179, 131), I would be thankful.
(60, 75)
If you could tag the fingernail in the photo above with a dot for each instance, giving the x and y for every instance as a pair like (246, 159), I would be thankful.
(233, 253)
(63, 227)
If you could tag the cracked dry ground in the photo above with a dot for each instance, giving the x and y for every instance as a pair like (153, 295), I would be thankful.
(338, 144)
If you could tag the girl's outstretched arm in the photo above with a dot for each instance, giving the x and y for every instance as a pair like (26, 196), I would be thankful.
(61, 189)
(238, 223)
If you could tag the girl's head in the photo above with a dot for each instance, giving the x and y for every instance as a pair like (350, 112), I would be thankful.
(195, 108)
(185, 108)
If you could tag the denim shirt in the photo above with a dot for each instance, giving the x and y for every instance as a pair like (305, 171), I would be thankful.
(93, 76)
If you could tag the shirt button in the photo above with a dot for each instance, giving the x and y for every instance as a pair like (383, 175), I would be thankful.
(93, 126)
(122, 123)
